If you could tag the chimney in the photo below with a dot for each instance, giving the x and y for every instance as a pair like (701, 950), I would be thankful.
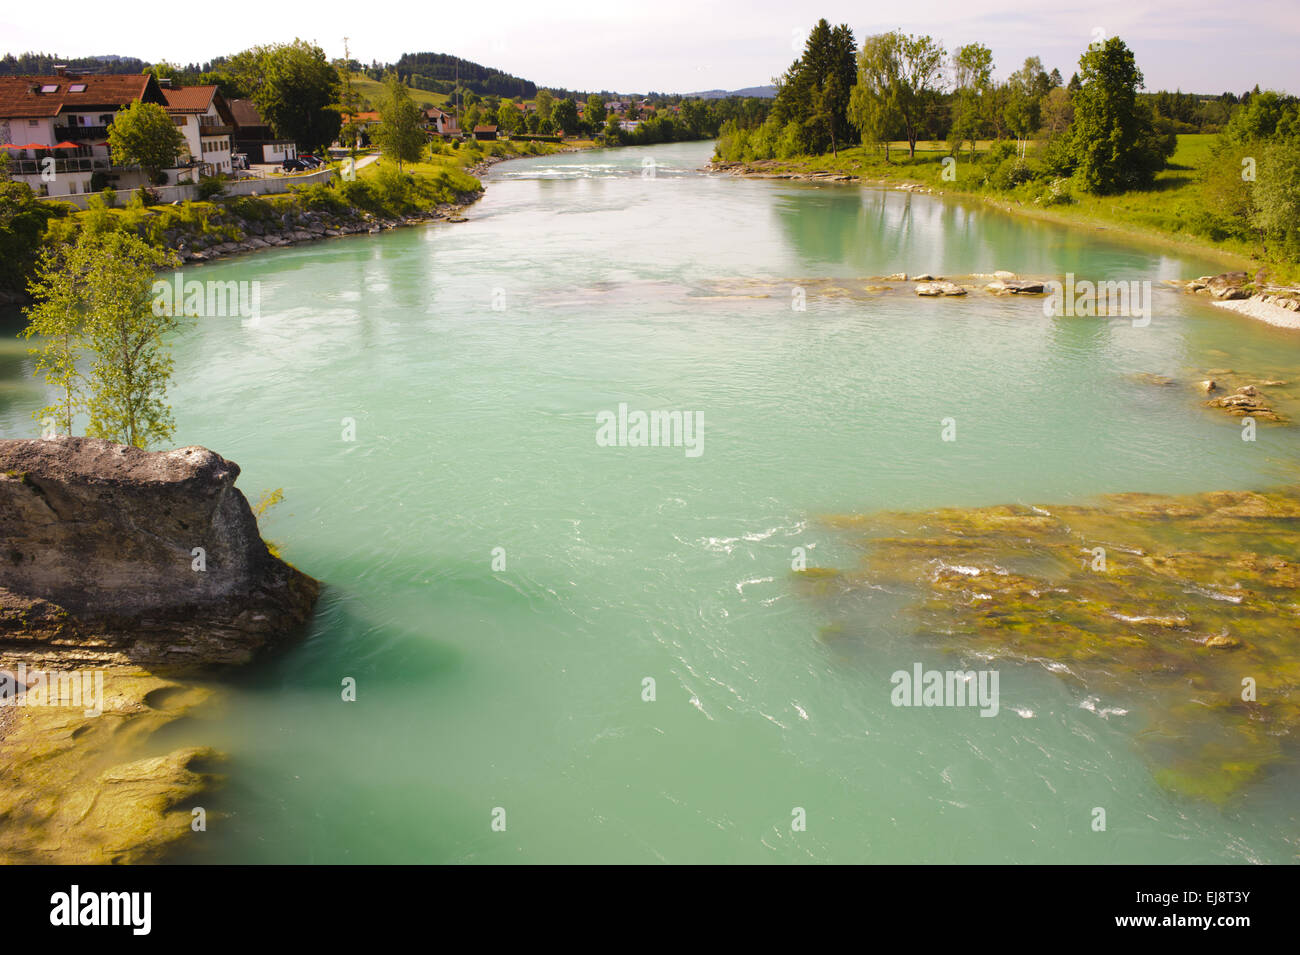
(60, 69)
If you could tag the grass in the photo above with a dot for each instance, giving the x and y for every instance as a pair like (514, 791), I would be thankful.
(373, 91)
(1164, 213)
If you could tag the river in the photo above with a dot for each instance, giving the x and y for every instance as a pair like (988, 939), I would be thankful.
(500, 585)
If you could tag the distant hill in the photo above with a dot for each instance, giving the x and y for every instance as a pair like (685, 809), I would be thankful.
(759, 92)
(438, 73)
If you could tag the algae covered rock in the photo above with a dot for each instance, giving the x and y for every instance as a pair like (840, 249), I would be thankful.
(1186, 608)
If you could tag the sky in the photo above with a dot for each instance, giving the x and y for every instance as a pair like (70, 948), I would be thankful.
(690, 45)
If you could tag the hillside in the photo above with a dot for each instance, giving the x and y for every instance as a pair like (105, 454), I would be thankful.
(372, 90)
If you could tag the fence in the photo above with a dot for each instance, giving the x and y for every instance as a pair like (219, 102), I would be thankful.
(188, 191)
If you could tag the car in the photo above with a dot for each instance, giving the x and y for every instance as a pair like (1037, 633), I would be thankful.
(311, 160)
(294, 165)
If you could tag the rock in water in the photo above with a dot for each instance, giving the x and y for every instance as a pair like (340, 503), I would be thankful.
(100, 560)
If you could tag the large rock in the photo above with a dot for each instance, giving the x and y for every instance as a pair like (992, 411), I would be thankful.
(98, 566)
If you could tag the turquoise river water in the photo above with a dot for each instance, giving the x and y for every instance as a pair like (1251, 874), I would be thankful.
(473, 361)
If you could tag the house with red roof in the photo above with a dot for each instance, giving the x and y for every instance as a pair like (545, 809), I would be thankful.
(208, 125)
(55, 129)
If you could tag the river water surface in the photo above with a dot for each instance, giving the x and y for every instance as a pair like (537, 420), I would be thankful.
(473, 361)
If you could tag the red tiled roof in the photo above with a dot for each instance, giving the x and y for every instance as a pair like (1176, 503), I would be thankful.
(20, 96)
(246, 113)
(485, 129)
(189, 99)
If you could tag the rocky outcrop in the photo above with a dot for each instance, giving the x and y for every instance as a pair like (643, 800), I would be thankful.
(112, 555)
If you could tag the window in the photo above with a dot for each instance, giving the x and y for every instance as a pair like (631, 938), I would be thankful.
(33, 122)
(50, 88)
(77, 88)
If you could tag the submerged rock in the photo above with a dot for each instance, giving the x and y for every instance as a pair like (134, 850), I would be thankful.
(939, 288)
(1185, 608)
(114, 555)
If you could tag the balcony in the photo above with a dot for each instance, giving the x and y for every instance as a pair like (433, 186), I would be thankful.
(34, 167)
(214, 129)
(79, 134)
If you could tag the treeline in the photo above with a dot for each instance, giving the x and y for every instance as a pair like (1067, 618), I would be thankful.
(694, 119)
(438, 73)
(42, 64)
(911, 88)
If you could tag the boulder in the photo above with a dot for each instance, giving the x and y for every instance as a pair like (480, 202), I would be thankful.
(99, 563)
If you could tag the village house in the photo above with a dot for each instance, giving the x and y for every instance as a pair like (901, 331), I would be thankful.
(485, 132)
(441, 123)
(207, 123)
(55, 130)
(255, 138)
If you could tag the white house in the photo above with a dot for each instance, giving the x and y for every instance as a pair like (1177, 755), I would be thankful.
(208, 125)
(55, 129)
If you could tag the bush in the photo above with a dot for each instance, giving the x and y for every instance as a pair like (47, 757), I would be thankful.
(210, 186)
(1010, 172)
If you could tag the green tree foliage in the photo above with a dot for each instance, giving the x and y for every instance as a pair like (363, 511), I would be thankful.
(295, 88)
(814, 92)
(509, 119)
(901, 79)
(1026, 88)
(400, 132)
(23, 220)
(144, 135)
(565, 116)
(1113, 141)
(95, 297)
(545, 103)
(594, 113)
(972, 75)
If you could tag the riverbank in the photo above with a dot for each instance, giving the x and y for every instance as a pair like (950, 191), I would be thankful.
(439, 189)
(1163, 217)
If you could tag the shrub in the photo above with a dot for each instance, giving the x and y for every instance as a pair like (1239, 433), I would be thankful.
(210, 186)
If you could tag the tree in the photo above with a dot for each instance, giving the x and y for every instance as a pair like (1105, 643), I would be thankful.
(814, 93)
(1058, 111)
(400, 133)
(594, 113)
(295, 88)
(1113, 144)
(901, 77)
(144, 135)
(1275, 197)
(545, 103)
(972, 72)
(23, 220)
(96, 296)
(1025, 91)
(565, 116)
(509, 119)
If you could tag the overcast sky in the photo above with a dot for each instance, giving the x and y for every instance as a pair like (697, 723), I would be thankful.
(688, 45)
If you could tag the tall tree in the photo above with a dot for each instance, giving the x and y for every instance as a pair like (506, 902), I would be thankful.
(972, 74)
(901, 78)
(1113, 141)
(1026, 88)
(400, 133)
(565, 116)
(545, 103)
(296, 90)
